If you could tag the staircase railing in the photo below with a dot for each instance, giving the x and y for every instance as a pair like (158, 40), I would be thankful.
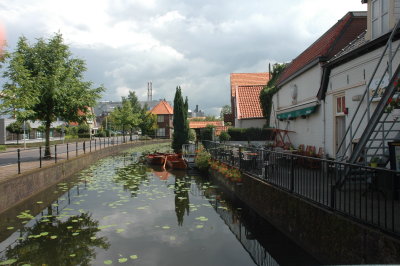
(354, 126)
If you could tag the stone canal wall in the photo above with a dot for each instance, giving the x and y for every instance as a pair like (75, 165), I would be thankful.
(331, 238)
(18, 188)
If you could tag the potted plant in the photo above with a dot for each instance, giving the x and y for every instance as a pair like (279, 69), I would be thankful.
(374, 162)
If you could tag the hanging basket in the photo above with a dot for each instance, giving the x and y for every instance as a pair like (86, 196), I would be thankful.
(395, 113)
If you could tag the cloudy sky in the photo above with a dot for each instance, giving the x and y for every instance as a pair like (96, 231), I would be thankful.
(193, 43)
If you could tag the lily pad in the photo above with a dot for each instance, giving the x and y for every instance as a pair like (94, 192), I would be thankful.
(108, 262)
(134, 257)
(8, 262)
(122, 260)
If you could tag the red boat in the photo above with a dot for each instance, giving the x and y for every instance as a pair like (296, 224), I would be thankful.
(176, 162)
(157, 158)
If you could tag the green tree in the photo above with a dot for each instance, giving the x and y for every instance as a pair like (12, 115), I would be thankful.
(181, 125)
(269, 90)
(136, 107)
(44, 82)
(18, 128)
(124, 117)
(226, 109)
(148, 123)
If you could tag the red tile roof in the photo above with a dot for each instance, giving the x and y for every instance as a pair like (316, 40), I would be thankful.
(218, 130)
(329, 44)
(162, 108)
(204, 124)
(248, 103)
(247, 79)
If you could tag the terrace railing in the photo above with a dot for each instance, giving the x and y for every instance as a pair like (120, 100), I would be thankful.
(369, 195)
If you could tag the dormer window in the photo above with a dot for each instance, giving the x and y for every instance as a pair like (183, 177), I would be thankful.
(379, 17)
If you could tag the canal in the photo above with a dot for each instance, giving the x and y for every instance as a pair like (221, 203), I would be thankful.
(120, 211)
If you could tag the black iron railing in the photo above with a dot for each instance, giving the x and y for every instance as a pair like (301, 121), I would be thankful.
(29, 158)
(365, 194)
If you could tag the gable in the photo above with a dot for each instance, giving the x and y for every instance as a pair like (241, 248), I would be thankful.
(248, 102)
(248, 79)
(162, 108)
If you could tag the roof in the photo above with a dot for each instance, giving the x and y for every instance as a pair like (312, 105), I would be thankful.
(218, 130)
(247, 79)
(204, 124)
(162, 108)
(354, 44)
(248, 103)
(329, 44)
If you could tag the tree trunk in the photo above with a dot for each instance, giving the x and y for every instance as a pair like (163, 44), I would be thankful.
(123, 134)
(17, 138)
(131, 132)
(47, 153)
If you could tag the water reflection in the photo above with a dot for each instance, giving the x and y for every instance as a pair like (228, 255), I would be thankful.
(55, 242)
(123, 211)
(182, 187)
(131, 176)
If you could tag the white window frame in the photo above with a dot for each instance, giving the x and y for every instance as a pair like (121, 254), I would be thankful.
(160, 118)
(381, 16)
(161, 132)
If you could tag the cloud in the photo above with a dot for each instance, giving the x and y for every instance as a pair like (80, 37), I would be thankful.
(195, 44)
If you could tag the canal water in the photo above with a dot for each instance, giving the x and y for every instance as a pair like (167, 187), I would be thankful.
(122, 212)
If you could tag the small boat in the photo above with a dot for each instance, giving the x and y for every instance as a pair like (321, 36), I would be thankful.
(176, 163)
(157, 158)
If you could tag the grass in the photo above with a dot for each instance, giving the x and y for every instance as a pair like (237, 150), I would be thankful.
(2, 147)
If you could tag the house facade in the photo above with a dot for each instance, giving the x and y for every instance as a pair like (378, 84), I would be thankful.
(164, 112)
(245, 91)
(298, 106)
(356, 70)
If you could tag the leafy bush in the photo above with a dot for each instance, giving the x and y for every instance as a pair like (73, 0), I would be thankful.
(192, 135)
(202, 160)
(207, 133)
(84, 136)
(224, 136)
(101, 134)
(250, 134)
(2, 148)
(83, 129)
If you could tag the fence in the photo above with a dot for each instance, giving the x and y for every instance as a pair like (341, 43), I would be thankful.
(26, 159)
(365, 194)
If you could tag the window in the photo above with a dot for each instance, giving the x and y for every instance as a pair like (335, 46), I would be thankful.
(160, 118)
(380, 17)
(160, 132)
(340, 105)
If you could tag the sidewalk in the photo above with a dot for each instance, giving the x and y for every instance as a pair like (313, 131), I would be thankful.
(11, 170)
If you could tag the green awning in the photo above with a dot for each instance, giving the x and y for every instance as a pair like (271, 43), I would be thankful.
(296, 113)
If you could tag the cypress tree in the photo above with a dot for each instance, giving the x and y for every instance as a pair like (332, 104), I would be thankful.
(181, 126)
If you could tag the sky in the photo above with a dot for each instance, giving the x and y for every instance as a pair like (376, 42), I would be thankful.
(194, 44)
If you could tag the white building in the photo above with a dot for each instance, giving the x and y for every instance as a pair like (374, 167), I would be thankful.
(322, 100)
(298, 105)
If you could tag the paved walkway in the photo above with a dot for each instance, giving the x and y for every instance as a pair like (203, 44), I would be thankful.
(11, 170)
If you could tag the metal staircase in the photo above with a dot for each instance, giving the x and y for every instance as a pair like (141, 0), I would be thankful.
(371, 128)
